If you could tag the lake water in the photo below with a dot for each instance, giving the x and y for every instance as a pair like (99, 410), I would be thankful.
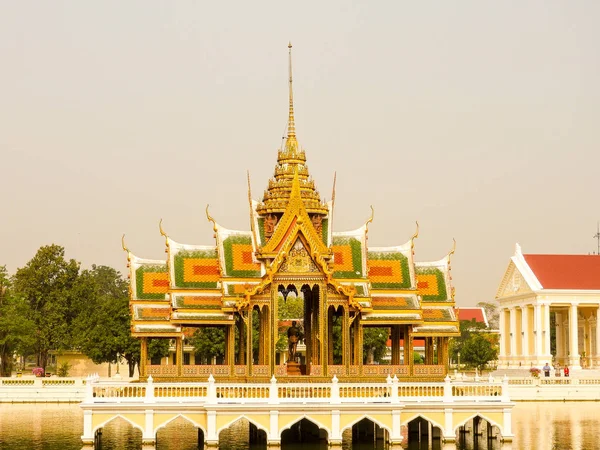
(553, 425)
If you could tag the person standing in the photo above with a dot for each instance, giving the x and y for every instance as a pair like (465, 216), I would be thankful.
(546, 370)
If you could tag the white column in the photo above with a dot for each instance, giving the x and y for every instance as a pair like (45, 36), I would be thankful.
(573, 338)
(507, 434)
(148, 436)
(212, 439)
(525, 333)
(502, 327)
(598, 337)
(513, 336)
(537, 317)
(559, 338)
(547, 352)
(449, 435)
(396, 435)
(274, 426)
(88, 432)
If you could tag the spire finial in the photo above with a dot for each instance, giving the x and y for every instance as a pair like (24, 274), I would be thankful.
(291, 132)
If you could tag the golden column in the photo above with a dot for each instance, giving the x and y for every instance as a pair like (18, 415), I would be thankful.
(143, 356)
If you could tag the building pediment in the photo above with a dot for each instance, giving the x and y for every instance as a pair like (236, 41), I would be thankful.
(513, 283)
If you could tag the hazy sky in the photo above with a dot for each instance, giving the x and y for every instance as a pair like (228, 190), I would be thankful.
(478, 119)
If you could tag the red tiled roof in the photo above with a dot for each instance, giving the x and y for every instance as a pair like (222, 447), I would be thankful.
(566, 271)
(471, 313)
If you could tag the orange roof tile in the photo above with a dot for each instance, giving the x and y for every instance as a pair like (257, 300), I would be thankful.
(566, 271)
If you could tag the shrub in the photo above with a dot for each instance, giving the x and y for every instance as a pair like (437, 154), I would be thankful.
(63, 369)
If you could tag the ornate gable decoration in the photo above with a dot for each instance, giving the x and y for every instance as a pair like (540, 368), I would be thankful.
(294, 219)
(513, 283)
(298, 260)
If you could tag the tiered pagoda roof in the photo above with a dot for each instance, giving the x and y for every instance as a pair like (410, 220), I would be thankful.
(206, 285)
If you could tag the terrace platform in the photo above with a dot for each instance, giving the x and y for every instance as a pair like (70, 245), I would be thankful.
(275, 407)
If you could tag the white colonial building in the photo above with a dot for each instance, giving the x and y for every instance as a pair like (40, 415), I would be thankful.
(535, 287)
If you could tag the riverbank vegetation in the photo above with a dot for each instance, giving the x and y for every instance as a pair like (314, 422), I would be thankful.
(51, 305)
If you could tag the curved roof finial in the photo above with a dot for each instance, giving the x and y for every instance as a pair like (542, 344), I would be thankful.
(210, 219)
(163, 233)
(123, 244)
(416, 235)
(291, 131)
(125, 249)
(451, 251)
(369, 220)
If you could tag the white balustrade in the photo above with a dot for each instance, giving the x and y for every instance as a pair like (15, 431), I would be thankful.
(390, 391)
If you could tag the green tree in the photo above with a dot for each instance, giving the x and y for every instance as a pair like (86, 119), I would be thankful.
(467, 328)
(158, 348)
(374, 344)
(478, 351)
(417, 358)
(102, 327)
(208, 342)
(46, 284)
(16, 329)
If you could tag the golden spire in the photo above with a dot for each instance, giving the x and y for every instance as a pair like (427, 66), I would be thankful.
(290, 158)
(291, 131)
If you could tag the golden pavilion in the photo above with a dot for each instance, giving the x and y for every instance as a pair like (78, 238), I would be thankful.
(291, 265)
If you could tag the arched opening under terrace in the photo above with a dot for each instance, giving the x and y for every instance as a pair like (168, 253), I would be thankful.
(365, 433)
(477, 432)
(180, 432)
(242, 433)
(116, 431)
(420, 433)
(304, 431)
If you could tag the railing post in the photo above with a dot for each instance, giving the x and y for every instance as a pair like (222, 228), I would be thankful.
(447, 390)
(505, 396)
(211, 395)
(335, 390)
(149, 390)
(395, 389)
(89, 389)
(273, 398)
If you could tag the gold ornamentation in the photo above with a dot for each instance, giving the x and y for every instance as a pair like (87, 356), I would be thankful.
(369, 220)
(210, 219)
(162, 233)
(317, 222)
(412, 239)
(269, 225)
(298, 260)
(124, 246)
